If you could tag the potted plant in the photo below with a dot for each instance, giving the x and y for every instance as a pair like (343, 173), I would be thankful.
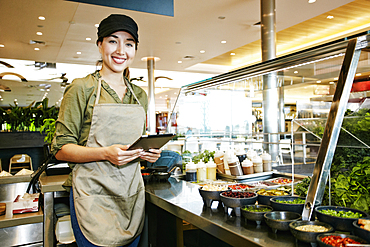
(48, 128)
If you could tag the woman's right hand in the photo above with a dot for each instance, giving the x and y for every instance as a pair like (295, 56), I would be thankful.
(118, 154)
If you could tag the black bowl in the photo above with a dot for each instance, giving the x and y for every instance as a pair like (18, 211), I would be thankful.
(280, 220)
(265, 200)
(322, 244)
(256, 216)
(237, 203)
(305, 236)
(360, 232)
(210, 196)
(297, 208)
(339, 223)
(157, 168)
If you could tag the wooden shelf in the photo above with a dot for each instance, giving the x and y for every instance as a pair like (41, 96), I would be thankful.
(22, 219)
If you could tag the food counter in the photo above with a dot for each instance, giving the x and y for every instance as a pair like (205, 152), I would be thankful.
(178, 199)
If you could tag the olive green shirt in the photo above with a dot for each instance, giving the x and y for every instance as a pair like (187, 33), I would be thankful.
(75, 114)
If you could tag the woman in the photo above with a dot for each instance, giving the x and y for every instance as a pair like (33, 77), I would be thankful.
(100, 116)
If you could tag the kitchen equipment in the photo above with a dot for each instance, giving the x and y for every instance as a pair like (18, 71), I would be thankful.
(305, 236)
(253, 215)
(280, 220)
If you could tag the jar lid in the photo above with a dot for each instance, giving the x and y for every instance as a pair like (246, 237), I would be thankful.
(251, 153)
(201, 164)
(240, 152)
(232, 159)
(266, 156)
(247, 162)
(191, 165)
(218, 153)
(211, 164)
(257, 159)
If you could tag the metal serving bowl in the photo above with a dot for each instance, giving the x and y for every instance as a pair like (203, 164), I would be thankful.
(280, 220)
(360, 232)
(339, 223)
(161, 175)
(265, 200)
(308, 237)
(237, 203)
(210, 196)
(297, 208)
(322, 244)
(256, 216)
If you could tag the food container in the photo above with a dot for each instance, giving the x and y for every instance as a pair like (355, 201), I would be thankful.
(191, 172)
(209, 196)
(251, 154)
(249, 212)
(257, 164)
(339, 223)
(361, 232)
(322, 244)
(211, 170)
(247, 167)
(219, 160)
(234, 166)
(266, 161)
(264, 195)
(280, 220)
(236, 200)
(308, 236)
(201, 171)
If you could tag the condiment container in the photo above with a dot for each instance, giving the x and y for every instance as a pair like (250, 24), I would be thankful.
(266, 160)
(219, 160)
(251, 153)
(211, 170)
(241, 155)
(228, 154)
(191, 172)
(247, 166)
(234, 166)
(257, 164)
(201, 171)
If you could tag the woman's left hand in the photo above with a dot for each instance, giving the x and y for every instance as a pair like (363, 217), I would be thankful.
(151, 156)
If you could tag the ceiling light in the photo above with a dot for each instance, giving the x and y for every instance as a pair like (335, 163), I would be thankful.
(330, 17)
(1, 45)
(311, 1)
(15, 99)
(358, 74)
(41, 18)
(335, 78)
(78, 53)
(318, 82)
(37, 49)
(296, 72)
(331, 82)
(232, 54)
(96, 25)
(202, 51)
(179, 61)
(88, 38)
(223, 42)
(39, 33)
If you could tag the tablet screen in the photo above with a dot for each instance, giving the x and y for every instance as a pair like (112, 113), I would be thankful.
(147, 142)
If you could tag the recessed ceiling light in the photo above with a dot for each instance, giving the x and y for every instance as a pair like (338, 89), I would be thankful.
(1, 45)
(358, 74)
(331, 82)
(179, 61)
(335, 78)
(88, 38)
(296, 72)
(311, 1)
(223, 42)
(15, 99)
(78, 53)
(318, 82)
(41, 18)
(96, 25)
(232, 54)
(202, 51)
(39, 33)
(37, 49)
(330, 17)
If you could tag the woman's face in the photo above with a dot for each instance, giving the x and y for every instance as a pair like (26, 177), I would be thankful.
(118, 51)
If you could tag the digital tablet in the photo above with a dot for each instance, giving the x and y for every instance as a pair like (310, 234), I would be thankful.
(147, 142)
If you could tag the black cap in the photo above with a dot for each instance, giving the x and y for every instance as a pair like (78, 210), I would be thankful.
(117, 22)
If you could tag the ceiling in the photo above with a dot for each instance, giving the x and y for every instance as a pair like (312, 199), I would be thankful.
(196, 26)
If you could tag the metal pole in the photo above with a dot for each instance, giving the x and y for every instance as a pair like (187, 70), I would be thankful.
(151, 97)
(270, 95)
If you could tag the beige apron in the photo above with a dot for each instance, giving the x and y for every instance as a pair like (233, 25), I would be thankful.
(109, 199)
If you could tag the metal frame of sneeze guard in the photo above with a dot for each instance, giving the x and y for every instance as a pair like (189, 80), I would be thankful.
(333, 125)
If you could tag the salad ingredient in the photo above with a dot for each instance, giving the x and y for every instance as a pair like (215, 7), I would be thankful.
(238, 194)
(254, 209)
(214, 187)
(338, 241)
(364, 224)
(295, 201)
(272, 192)
(312, 228)
(341, 213)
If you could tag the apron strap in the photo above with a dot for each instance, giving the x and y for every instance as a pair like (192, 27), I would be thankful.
(99, 90)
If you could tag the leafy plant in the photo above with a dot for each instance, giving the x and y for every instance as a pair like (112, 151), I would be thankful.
(204, 156)
(49, 128)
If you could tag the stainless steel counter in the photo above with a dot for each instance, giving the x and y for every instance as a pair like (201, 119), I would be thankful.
(182, 200)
